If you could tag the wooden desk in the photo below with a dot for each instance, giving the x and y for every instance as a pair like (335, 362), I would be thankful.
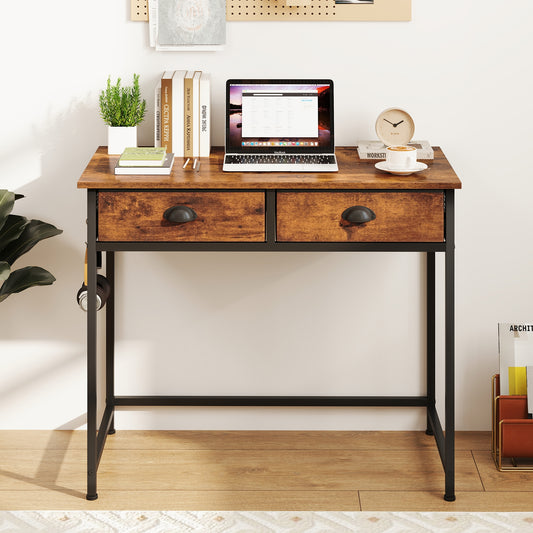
(270, 212)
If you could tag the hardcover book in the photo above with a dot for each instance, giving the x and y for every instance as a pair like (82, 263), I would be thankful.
(142, 157)
(188, 107)
(376, 149)
(163, 169)
(157, 114)
(166, 110)
(177, 112)
(205, 115)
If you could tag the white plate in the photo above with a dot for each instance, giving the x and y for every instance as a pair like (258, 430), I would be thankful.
(382, 165)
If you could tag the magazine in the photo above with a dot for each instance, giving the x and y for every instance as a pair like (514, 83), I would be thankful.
(515, 345)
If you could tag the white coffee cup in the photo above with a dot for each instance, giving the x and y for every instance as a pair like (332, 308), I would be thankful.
(401, 157)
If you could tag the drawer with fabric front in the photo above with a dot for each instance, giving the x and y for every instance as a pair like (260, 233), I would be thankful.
(360, 216)
(170, 216)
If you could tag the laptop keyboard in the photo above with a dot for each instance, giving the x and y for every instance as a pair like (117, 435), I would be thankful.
(280, 159)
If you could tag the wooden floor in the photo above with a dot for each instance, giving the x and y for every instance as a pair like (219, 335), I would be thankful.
(268, 470)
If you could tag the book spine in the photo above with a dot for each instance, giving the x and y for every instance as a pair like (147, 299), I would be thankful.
(421, 154)
(177, 113)
(196, 114)
(157, 116)
(188, 112)
(205, 115)
(372, 155)
(166, 113)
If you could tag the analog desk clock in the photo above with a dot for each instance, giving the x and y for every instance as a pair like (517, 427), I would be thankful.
(395, 126)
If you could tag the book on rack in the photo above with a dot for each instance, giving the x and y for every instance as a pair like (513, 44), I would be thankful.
(182, 113)
(188, 111)
(143, 156)
(157, 115)
(515, 346)
(166, 110)
(177, 112)
(205, 115)
(195, 132)
(376, 149)
(146, 170)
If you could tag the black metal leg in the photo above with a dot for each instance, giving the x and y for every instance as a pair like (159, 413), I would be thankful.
(110, 339)
(430, 336)
(449, 461)
(92, 453)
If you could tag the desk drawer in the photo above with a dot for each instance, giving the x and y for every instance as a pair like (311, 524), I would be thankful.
(399, 217)
(220, 216)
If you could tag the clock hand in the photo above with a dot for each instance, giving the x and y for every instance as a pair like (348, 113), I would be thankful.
(398, 123)
(391, 123)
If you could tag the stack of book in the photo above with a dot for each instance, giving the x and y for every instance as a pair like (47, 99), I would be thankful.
(145, 160)
(377, 150)
(183, 113)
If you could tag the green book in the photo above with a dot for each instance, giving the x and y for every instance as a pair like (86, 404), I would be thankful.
(143, 156)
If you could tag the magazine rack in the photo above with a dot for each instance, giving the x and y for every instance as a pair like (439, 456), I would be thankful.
(512, 431)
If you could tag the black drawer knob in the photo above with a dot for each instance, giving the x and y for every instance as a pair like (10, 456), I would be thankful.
(179, 214)
(358, 214)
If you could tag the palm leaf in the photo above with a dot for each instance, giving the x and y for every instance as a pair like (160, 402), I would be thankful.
(33, 232)
(4, 270)
(23, 278)
(12, 230)
(7, 199)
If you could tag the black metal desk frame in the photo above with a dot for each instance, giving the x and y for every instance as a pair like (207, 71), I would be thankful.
(97, 433)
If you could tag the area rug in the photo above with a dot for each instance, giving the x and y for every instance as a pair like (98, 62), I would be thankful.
(261, 522)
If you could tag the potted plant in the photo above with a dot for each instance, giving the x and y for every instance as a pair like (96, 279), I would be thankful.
(122, 109)
(17, 236)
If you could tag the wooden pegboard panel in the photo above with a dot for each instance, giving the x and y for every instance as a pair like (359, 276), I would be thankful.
(139, 10)
(301, 10)
(317, 10)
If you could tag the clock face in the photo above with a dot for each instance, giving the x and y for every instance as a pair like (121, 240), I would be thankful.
(395, 126)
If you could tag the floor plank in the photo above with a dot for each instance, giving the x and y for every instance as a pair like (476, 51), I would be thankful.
(283, 500)
(509, 481)
(231, 440)
(228, 470)
(434, 502)
(256, 470)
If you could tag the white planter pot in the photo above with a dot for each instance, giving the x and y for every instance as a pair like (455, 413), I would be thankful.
(121, 137)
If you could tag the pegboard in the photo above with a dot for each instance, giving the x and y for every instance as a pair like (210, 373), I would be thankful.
(399, 10)
(316, 10)
(139, 10)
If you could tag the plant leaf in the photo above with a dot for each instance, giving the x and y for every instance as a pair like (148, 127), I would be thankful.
(4, 270)
(7, 199)
(33, 232)
(23, 278)
(12, 229)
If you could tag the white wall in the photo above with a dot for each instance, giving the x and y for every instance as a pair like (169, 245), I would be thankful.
(267, 323)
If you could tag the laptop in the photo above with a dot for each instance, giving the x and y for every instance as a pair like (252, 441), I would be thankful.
(279, 126)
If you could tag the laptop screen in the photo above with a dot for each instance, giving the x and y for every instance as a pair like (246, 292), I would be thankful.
(281, 116)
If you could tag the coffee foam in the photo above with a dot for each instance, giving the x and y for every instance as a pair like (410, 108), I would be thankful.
(401, 148)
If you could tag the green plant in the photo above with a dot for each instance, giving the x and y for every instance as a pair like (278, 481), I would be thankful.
(122, 106)
(17, 236)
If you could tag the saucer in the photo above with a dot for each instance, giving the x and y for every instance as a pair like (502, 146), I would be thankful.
(382, 165)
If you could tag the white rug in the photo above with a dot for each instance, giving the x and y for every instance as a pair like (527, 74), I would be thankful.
(262, 522)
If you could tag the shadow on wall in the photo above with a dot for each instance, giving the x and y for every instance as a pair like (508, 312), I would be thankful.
(64, 144)
(42, 329)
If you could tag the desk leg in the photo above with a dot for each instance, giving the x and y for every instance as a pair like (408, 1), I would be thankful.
(449, 400)
(110, 339)
(430, 335)
(92, 453)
